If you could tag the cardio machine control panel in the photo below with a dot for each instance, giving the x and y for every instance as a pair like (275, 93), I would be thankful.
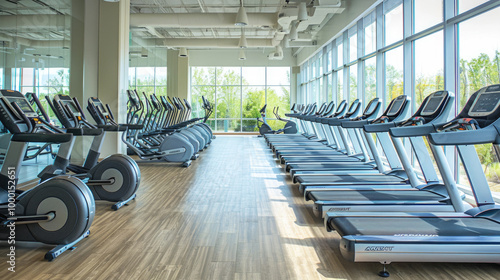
(487, 102)
(481, 110)
(18, 116)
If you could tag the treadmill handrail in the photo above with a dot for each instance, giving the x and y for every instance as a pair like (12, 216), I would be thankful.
(466, 137)
(412, 131)
(379, 127)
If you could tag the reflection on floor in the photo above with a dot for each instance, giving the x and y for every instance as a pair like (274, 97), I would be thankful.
(232, 215)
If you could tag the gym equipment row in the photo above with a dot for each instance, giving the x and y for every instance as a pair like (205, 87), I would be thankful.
(163, 131)
(357, 171)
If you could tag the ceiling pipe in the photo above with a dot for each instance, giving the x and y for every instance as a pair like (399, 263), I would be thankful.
(199, 20)
(214, 43)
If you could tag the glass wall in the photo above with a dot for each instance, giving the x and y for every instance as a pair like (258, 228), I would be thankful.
(238, 94)
(35, 51)
(414, 56)
(479, 62)
(148, 80)
(147, 67)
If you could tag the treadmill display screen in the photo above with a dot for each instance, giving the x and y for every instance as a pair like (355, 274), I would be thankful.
(353, 107)
(487, 102)
(396, 106)
(371, 107)
(341, 107)
(99, 105)
(72, 107)
(22, 103)
(432, 105)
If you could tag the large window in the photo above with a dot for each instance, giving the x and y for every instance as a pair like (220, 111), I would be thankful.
(426, 14)
(429, 69)
(393, 22)
(238, 93)
(417, 56)
(148, 80)
(479, 55)
(370, 79)
(393, 73)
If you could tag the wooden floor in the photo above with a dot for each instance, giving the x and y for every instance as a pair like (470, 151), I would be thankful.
(232, 215)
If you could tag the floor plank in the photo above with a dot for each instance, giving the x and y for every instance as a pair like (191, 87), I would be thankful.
(232, 215)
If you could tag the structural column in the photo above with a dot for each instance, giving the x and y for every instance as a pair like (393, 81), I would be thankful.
(77, 62)
(113, 65)
(177, 75)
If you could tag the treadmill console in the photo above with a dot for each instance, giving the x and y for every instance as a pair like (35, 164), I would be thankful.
(372, 106)
(353, 107)
(72, 107)
(433, 103)
(487, 102)
(10, 117)
(397, 105)
(341, 107)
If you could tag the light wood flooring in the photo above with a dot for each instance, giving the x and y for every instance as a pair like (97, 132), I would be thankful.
(232, 215)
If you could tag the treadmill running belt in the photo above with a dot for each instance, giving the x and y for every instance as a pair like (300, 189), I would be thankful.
(415, 226)
(348, 178)
(374, 195)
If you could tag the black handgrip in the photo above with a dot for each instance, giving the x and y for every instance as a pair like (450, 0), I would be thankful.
(379, 127)
(22, 115)
(110, 113)
(40, 107)
(412, 131)
(355, 124)
(41, 137)
(75, 100)
(84, 131)
(338, 122)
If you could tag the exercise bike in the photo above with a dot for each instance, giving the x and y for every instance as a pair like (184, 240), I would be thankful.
(58, 211)
(289, 128)
(116, 178)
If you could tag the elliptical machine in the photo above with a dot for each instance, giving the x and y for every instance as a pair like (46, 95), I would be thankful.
(290, 126)
(58, 211)
(116, 178)
(265, 128)
(172, 148)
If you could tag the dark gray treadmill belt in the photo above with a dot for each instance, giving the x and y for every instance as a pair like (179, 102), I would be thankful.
(374, 195)
(310, 153)
(339, 158)
(319, 167)
(347, 178)
(418, 226)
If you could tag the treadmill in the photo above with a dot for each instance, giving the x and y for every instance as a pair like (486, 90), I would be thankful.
(397, 111)
(353, 111)
(434, 109)
(326, 138)
(370, 112)
(434, 196)
(317, 139)
(472, 236)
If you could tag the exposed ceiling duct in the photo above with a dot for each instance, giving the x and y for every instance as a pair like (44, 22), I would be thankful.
(205, 20)
(213, 43)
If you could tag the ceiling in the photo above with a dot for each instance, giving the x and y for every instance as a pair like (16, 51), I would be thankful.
(195, 24)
